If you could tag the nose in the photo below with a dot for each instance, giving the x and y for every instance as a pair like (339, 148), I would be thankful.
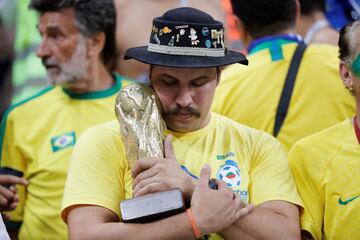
(184, 98)
(43, 49)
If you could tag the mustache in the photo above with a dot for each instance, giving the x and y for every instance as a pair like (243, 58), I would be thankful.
(178, 109)
(47, 62)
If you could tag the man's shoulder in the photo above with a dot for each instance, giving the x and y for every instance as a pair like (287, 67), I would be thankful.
(107, 130)
(325, 142)
(37, 102)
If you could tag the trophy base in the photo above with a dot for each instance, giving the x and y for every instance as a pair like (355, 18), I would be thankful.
(152, 207)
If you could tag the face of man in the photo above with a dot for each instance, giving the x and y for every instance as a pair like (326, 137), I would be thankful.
(63, 48)
(186, 95)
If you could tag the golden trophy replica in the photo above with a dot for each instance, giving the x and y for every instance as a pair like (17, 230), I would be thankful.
(142, 128)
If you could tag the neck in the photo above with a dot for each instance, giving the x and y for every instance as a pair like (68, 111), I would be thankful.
(98, 78)
(307, 21)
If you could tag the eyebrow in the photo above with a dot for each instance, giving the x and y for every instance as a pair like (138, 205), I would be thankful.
(50, 27)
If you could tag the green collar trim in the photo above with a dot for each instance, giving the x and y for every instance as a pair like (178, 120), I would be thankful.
(274, 44)
(356, 66)
(270, 45)
(97, 94)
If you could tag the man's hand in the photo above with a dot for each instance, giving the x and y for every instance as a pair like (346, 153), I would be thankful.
(215, 210)
(159, 174)
(8, 196)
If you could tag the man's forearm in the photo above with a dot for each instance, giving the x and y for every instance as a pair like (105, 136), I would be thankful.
(175, 227)
(262, 223)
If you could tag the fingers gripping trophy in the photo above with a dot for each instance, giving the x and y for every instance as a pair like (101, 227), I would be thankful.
(142, 128)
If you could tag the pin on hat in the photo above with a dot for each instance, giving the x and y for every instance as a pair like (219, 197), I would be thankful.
(190, 39)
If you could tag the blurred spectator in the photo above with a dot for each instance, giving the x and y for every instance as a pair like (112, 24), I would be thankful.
(133, 30)
(251, 95)
(38, 134)
(326, 165)
(313, 25)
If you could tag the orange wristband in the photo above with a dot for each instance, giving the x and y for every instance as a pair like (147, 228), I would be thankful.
(194, 227)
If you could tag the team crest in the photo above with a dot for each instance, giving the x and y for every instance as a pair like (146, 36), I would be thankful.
(229, 173)
(63, 141)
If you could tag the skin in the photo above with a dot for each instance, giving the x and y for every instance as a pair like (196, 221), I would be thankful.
(71, 59)
(326, 35)
(8, 196)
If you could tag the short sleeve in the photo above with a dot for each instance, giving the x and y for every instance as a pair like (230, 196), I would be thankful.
(270, 176)
(310, 192)
(98, 173)
(11, 156)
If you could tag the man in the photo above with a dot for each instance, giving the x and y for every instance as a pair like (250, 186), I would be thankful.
(37, 135)
(184, 75)
(313, 25)
(326, 165)
(252, 96)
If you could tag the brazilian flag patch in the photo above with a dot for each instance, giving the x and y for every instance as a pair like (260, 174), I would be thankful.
(63, 141)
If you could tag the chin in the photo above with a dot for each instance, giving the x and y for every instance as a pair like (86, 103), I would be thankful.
(181, 128)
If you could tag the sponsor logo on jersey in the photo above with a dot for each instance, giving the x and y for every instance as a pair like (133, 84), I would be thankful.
(225, 156)
(346, 201)
(63, 141)
(229, 173)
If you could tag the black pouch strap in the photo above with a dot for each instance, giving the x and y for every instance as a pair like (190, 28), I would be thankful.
(288, 88)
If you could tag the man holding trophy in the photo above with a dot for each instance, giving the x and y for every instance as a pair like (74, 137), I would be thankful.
(255, 197)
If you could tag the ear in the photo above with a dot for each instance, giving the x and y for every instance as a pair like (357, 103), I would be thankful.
(244, 35)
(346, 76)
(96, 44)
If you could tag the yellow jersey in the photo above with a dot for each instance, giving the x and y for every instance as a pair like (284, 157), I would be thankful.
(326, 169)
(251, 162)
(251, 94)
(37, 137)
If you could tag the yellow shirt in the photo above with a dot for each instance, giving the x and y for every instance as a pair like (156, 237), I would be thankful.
(37, 137)
(251, 162)
(250, 94)
(326, 169)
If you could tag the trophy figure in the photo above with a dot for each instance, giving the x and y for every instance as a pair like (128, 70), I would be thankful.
(142, 128)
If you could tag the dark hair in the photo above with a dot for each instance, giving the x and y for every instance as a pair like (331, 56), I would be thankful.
(348, 40)
(265, 17)
(91, 16)
(310, 6)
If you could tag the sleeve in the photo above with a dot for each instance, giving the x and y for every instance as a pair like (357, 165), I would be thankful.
(11, 156)
(310, 192)
(98, 173)
(270, 176)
